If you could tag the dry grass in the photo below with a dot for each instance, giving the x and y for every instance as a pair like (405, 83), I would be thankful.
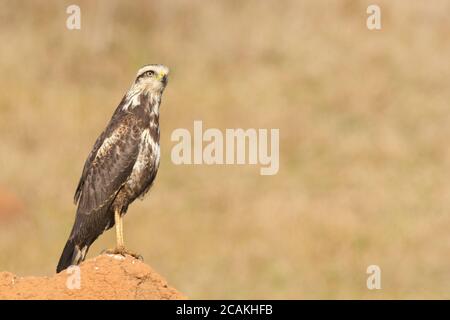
(364, 121)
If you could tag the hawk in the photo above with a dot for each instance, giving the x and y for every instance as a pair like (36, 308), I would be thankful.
(120, 168)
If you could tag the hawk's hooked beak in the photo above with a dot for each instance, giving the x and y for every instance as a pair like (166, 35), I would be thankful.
(162, 76)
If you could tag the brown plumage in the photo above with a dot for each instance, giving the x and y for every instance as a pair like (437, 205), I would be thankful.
(121, 166)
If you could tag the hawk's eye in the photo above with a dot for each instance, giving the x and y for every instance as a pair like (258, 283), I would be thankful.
(150, 73)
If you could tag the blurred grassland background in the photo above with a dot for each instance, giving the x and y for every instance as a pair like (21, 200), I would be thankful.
(364, 125)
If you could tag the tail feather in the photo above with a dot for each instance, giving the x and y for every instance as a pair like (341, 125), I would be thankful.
(72, 254)
(86, 229)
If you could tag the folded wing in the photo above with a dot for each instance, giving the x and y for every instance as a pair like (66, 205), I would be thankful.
(109, 165)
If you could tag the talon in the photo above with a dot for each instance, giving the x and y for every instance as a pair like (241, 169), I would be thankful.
(123, 251)
(138, 256)
(133, 254)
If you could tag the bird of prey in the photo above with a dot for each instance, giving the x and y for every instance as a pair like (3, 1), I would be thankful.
(120, 168)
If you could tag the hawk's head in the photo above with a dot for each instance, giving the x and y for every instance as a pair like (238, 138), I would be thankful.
(152, 78)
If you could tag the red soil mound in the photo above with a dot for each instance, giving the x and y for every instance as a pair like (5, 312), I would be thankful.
(103, 277)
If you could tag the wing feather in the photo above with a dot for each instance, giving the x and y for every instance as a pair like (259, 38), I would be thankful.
(109, 164)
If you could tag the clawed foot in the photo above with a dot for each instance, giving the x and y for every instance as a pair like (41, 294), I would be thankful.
(123, 251)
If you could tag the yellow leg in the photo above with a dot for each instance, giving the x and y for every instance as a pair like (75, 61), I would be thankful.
(119, 230)
(120, 246)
